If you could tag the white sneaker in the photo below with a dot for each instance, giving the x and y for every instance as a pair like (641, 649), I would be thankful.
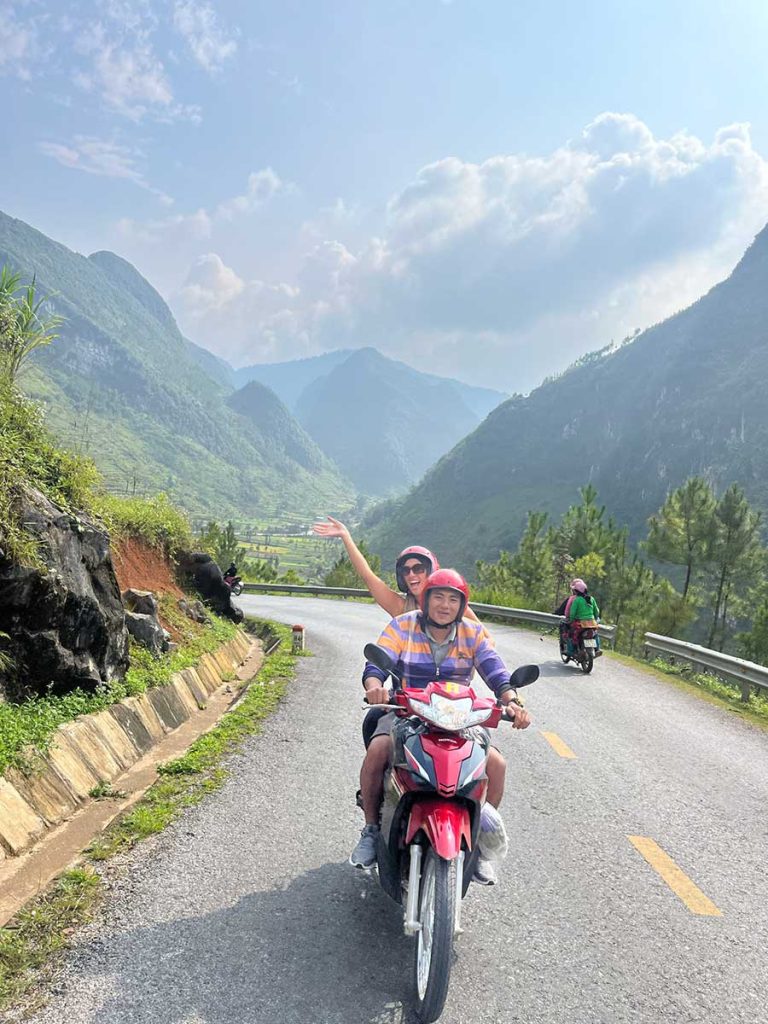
(485, 872)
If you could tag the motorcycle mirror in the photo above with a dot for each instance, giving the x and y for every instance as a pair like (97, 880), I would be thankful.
(379, 657)
(524, 676)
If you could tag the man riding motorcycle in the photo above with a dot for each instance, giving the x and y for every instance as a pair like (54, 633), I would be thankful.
(435, 643)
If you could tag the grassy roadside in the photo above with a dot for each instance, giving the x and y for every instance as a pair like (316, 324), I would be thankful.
(32, 943)
(30, 724)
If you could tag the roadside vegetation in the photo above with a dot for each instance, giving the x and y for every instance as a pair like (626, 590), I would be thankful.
(154, 520)
(718, 593)
(27, 728)
(185, 780)
(223, 545)
(32, 944)
(28, 454)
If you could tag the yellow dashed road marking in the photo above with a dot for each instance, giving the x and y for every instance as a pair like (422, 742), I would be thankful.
(676, 879)
(558, 745)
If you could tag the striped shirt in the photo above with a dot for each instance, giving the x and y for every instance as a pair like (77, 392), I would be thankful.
(407, 644)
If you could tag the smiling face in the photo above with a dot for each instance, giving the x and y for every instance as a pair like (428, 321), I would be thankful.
(444, 606)
(414, 574)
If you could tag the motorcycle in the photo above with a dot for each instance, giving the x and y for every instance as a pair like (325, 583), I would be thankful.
(583, 651)
(434, 792)
(235, 584)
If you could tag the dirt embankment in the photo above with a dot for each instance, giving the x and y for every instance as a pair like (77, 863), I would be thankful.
(143, 568)
(140, 567)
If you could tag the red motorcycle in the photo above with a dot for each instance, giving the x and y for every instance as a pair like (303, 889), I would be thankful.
(434, 794)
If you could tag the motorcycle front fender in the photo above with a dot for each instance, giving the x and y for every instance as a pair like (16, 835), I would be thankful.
(444, 822)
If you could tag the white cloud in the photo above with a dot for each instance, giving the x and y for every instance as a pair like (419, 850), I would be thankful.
(210, 46)
(128, 76)
(116, 50)
(20, 47)
(210, 285)
(262, 186)
(213, 289)
(175, 233)
(104, 158)
(505, 270)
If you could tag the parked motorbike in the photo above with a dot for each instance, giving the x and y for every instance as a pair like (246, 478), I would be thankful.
(235, 584)
(434, 794)
(582, 651)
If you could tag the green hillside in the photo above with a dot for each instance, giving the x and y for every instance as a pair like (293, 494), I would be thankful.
(122, 384)
(266, 412)
(687, 397)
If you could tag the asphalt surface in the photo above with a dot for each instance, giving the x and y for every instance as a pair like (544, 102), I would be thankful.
(246, 911)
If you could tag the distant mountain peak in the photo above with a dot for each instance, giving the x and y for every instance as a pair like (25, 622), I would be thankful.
(126, 276)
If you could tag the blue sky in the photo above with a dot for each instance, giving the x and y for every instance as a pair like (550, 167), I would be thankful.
(484, 188)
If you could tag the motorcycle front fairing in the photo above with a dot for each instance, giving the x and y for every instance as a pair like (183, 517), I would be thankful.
(436, 785)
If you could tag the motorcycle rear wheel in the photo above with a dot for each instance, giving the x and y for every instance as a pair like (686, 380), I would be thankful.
(434, 945)
(587, 661)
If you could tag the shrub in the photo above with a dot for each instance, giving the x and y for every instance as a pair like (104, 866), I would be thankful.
(154, 520)
(30, 457)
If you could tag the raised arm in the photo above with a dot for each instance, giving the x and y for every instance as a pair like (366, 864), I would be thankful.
(384, 596)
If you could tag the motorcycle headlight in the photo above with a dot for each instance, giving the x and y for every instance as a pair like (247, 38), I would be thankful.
(451, 715)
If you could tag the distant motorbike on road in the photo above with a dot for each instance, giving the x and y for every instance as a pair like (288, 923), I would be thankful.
(235, 584)
(582, 650)
(434, 797)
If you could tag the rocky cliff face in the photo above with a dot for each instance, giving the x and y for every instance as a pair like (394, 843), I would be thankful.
(65, 619)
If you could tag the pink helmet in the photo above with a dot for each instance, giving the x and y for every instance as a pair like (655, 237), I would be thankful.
(579, 586)
(424, 555)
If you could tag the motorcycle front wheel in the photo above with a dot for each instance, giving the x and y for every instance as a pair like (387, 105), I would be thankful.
(587, 661)
(434, 946)
(237, 589)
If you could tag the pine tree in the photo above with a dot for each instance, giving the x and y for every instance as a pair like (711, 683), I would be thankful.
(733, 549)
(342, 573)
(681, 532)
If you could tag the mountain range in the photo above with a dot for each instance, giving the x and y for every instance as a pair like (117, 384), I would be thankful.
(122, 384)
(158, 412)
(383, 422)
(685, 397)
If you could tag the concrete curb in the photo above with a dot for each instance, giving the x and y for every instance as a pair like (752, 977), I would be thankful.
(97, 748)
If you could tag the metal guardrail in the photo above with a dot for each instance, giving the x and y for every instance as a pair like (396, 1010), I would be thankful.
(497, 611)
(292, 588)
(746, 673)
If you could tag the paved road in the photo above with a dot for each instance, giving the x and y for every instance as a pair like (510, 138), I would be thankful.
(246, 911)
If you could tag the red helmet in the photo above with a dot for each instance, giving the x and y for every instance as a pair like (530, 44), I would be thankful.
(445, 579)
(424, 555)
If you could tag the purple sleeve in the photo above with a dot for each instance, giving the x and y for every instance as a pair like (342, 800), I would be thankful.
(490, 666)
(391, 640)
